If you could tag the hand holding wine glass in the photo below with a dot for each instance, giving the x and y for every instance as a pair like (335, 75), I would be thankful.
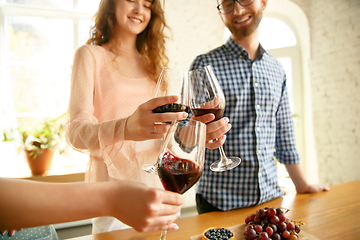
(181, 160)
(206, 96)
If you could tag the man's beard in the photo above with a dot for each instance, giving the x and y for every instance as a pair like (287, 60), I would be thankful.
(246, 31)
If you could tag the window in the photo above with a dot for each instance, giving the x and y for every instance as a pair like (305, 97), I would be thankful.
(38, 39)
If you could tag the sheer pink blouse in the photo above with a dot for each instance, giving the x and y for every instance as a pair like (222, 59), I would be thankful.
(100, 101)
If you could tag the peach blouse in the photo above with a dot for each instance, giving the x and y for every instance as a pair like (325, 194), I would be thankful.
(100, 102)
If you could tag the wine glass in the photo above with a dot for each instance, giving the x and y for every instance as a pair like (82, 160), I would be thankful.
(206, 96)
(170, 82)
(181, 160)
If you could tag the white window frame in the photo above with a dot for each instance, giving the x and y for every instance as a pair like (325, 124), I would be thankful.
(297, 90)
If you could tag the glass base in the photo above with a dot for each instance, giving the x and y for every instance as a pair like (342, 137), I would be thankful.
(149, 168)
(225, 164)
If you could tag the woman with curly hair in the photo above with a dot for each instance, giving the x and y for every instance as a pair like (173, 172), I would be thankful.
(112, 89)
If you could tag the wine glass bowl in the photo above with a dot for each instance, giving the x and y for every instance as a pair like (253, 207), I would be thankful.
(173, 82)
(206, 96)
(180, 163)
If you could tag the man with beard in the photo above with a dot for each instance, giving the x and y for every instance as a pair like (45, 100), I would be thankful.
(257, 105)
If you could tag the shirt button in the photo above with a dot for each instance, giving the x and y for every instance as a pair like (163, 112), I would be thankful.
(258, 129)
(256, 84)
(259, 151)
(258, 106)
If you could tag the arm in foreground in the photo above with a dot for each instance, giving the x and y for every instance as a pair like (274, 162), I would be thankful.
(301, 185)
(27, 204)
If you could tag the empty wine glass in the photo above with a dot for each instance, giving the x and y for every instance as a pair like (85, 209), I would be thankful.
(181, 160)
(206, 96)
(170, 82)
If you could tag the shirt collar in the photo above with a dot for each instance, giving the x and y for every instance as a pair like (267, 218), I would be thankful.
(236, 50)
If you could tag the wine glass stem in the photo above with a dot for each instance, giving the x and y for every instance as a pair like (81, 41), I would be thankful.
(223, 159)
(163, 235)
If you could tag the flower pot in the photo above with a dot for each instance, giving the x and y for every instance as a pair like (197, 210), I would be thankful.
(41, 163)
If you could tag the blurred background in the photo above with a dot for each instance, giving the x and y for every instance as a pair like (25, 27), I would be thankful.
(318, 43)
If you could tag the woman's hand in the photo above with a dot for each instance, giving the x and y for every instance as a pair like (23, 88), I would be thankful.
(214, 130)
(143, 208)
(143, 124)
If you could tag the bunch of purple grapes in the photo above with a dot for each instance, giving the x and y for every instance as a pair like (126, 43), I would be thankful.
(270, 223)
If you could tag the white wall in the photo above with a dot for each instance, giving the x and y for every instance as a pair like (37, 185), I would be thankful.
(335, 80)
(196, 27)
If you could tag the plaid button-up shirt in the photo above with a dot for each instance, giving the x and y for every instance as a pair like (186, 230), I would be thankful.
(257, 105)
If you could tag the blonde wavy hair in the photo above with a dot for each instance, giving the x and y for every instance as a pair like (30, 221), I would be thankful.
(150, 43)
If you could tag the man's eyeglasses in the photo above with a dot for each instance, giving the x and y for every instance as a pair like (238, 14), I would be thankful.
(227, 6)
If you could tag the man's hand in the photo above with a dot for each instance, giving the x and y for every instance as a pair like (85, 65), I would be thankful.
(215, 131)
(312, 188)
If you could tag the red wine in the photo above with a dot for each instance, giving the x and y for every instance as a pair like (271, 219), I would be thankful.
(218, 112)
(176, 174)
(171, 107)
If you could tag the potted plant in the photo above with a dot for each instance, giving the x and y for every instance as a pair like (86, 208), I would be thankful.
(40, 142)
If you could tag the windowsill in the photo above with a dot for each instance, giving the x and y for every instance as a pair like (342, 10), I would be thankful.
(68, 167)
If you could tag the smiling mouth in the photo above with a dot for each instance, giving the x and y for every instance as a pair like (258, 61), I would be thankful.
(242, 20)
(135, 20)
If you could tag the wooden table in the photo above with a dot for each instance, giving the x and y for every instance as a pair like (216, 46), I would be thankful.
(331, 215)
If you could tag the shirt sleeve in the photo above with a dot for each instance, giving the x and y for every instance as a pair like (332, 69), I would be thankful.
(285, 144)
(197, 63)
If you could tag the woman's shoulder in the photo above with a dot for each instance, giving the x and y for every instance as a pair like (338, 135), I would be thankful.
(89, 49)
(91, 53)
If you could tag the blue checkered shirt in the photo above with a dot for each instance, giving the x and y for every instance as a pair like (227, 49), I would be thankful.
(257, 105)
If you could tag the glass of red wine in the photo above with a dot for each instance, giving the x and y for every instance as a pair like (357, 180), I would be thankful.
(170, 82)
(173, 82)
(181, 160)
(206, 96)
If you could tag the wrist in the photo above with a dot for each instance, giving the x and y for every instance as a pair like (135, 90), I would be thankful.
(300, 185)
(106, 195)
(126, 130)
(121, 130)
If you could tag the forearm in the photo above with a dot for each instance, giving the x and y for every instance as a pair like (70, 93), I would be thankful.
(87, 135)
(301, 185)
(31, 204)
(296, 175)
